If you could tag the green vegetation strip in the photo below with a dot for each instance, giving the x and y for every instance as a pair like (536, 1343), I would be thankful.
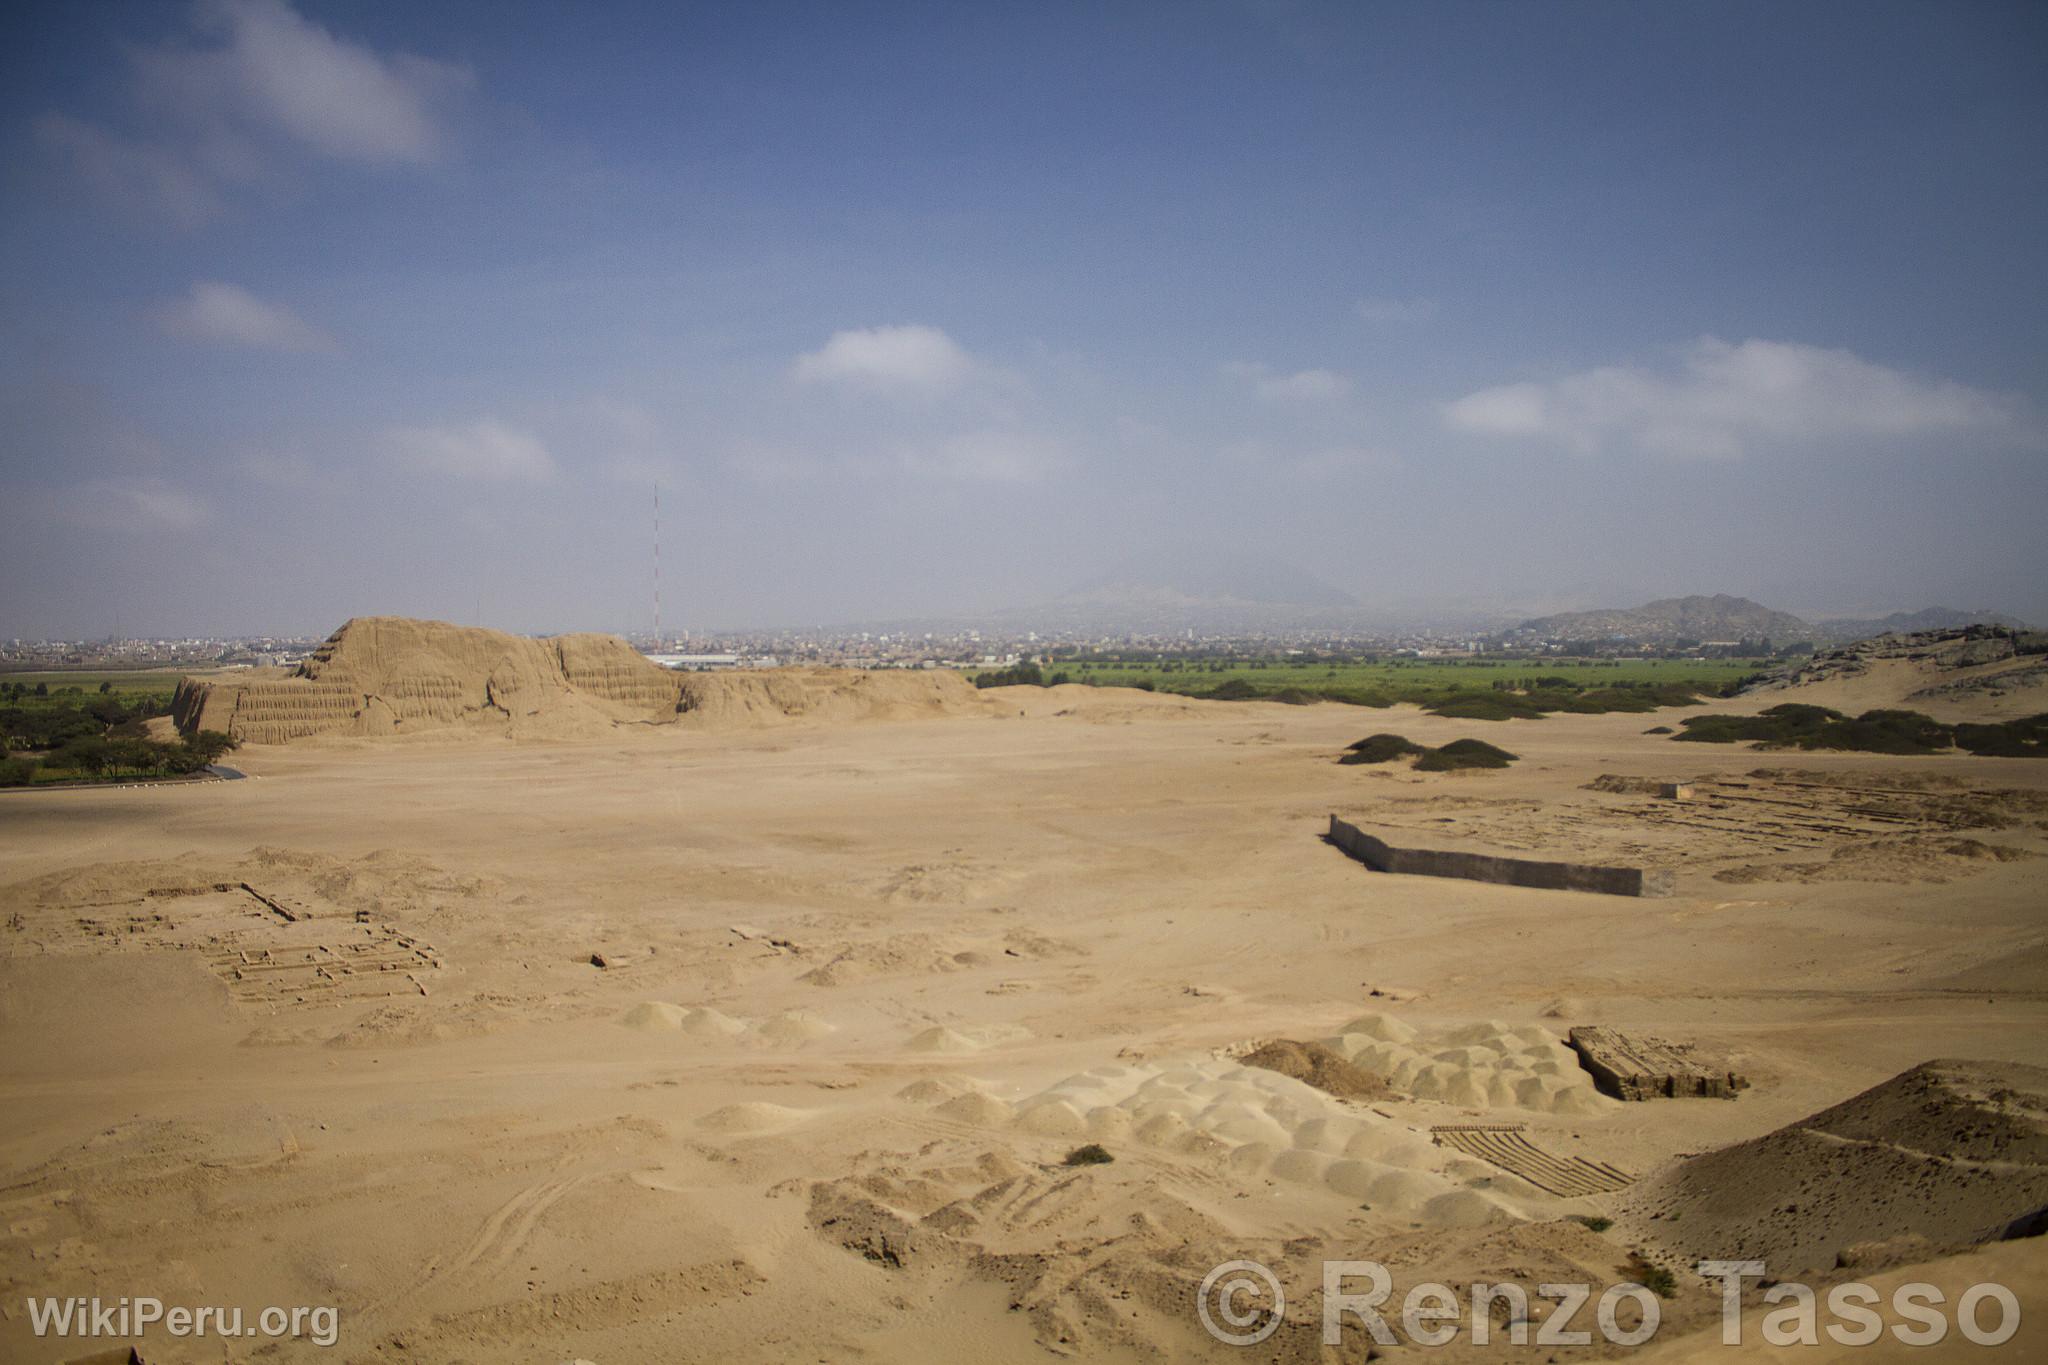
(1795, 725)
(1466, 689)
(71, 733)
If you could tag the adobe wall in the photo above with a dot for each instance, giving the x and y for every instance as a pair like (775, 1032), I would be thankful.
(1480, 867)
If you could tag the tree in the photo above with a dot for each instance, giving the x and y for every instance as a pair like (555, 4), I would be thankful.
(211, 745)
(87, 754)
(136, 755)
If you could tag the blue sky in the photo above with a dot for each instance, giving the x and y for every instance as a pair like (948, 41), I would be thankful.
(318, 311)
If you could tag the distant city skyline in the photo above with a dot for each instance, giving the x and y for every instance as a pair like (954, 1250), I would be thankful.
(924, 311)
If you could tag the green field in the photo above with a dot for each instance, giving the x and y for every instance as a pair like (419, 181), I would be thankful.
(1411, 679)
(124, 683)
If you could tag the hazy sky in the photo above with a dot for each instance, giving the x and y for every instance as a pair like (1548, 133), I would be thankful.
(345, 308)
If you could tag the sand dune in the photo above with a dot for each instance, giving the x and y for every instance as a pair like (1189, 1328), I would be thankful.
(1946, 1156)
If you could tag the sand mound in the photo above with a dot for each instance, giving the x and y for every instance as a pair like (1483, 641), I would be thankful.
(1953, 1152)
(754, 1116)
(1489, 1065)
(931, 1090)
(938, 1038)
(391, 675)
(1258, 1124)
(1885, 860)
(705, 1022)
(659, 1016)
(793, 1028)
(984, 1111)
(1318, 1066)
(778, 695)
(655, 1016)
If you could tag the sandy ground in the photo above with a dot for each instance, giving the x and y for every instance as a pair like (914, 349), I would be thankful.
(866, 984)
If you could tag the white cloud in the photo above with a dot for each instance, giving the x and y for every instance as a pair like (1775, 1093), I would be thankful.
(907, 358)
(1313, 465)
(486, 450)
(338, 97)
(1396, 310)
(1303, 386)
(1722, 399)
(131, 505)
(230, 314)
(265, 82)
(285, 469)
(1309, 385)
(152, 180)
(991, 456)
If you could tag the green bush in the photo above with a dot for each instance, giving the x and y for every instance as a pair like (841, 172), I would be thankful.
(1018, 675)
(1094, 1154)
(1459, 753)
(1488, 706)
(1463, 753)
(1381, 749)
(1797, 726)
(2027, 738)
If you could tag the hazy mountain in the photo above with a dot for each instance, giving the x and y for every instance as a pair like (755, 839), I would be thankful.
(1927, 618)
(1719, 617)
(1205, 591)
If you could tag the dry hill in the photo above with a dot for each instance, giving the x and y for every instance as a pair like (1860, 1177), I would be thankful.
(1948, 1155)
(1975, 673)
(1719, 617)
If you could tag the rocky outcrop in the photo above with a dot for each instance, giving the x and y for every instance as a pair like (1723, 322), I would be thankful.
(1938, 651)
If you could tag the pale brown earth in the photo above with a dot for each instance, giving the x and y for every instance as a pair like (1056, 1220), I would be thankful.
(866, 984)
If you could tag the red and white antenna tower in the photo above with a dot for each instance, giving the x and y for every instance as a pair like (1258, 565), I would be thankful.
(657, 566)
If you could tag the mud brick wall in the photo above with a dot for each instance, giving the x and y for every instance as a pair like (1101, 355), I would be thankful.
(1479, 867)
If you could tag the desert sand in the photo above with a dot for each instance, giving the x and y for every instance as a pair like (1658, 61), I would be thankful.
(757, 1028)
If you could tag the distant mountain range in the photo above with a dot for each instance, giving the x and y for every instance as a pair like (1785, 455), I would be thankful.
(1223, 592)
(1927, 618)
(1722, 617)
(1719, 617)
(1206, 592)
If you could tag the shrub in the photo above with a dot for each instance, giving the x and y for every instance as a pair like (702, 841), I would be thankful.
(1019, 675)
(1463, 753)
(2027, 738)
(1488, 706)
(1234, 689)
(1094, 1154)
(1381, 749)
(1654, 1278)
(1798, 726)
